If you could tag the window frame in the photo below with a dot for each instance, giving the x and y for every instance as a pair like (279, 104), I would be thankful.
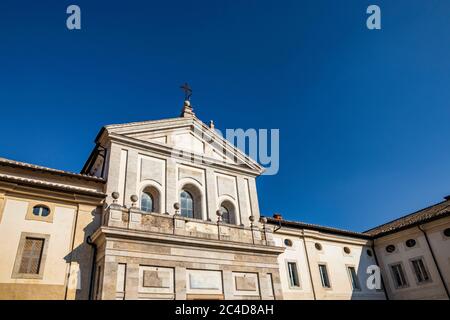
(405, 276)
(41, 210)
(16, 274)
(352, 280)
(152, 209)
(297, 273)
(31, 216)
(327, 275)
(193, 204)
(425, 269)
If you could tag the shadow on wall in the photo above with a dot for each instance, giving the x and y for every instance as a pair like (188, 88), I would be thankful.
(81, 260)
(364, 274)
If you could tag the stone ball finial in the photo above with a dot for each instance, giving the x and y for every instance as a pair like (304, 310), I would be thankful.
(176, 206)
(251, 218)
(263, 220)
(219, 213)
(187, 103)
(115, 195)
(134, 198)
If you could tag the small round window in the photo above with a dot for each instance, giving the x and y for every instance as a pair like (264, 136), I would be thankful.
(447, 232)
(288, 242)
(390, 248)
(369, 252)
(410, 243)
(41, 211)
(347, 250)
(318, 246)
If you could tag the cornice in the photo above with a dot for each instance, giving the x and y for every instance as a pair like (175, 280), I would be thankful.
(110, 232)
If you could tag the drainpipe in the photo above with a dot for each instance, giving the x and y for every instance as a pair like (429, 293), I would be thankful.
(381, 274)
(309, 269)
(91, 284)
(435, 261)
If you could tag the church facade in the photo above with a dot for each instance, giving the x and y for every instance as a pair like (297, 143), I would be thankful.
(168, 209)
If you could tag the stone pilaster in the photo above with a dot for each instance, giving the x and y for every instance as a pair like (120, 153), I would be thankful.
(131, 177)
(132, 282)
(228, 285)
(180, 283)
(254, 198)
(171, 186)
(109, 279)
(277, 289)
(244, 205)
(211, 194)
(265, 286)
(113, 173)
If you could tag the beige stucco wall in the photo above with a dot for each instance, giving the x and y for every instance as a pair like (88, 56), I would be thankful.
(433, 289)
(59, 256)
(336, 260)
(60, 231)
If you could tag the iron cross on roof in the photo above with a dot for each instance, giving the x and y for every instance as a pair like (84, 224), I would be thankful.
(187, 91)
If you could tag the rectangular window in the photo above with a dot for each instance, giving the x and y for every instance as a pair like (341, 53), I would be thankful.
(30, 262)
(293, 274)
(399, 275)
(420, 271)
(324, 276)
(353, 278)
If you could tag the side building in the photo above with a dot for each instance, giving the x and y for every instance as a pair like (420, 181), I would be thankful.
(46, 216)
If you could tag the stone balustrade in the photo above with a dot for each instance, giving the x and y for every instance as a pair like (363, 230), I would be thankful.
(134, 219)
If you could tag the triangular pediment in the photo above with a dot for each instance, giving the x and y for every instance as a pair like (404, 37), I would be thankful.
(186, 135)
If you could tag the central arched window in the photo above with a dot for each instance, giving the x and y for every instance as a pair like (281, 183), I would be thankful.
(146, 202)
(186, 204)
(225, 214)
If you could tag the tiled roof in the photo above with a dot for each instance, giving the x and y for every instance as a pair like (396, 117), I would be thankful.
(303, 225)
(430, 213)
(51, 185)
(4, 161)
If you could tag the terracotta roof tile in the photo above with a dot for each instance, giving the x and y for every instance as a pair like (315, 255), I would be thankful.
(14, 163)
(430, 213)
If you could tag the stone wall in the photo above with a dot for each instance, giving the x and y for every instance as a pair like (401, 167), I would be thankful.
(156, 256)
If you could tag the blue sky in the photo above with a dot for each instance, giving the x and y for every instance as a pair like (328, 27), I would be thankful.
(363, 115)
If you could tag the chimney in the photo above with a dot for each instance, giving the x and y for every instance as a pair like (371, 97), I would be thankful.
(277, 216)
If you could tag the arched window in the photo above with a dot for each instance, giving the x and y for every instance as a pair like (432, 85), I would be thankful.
(41, 211)
(186, 204)
(225, 214)
(146, 202)
(227, 210)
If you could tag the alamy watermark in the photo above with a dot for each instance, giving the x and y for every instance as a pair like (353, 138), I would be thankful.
(73, 21)
(237, 147)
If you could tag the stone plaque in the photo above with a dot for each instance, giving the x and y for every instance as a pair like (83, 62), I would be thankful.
(244, 283)
(156, 279)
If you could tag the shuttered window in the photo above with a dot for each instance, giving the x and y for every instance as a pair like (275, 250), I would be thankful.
(324, 276)
(399, 276)
(293, 275)
(420, 270)
(31, 256)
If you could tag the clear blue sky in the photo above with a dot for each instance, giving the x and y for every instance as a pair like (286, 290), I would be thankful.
(363, 115)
